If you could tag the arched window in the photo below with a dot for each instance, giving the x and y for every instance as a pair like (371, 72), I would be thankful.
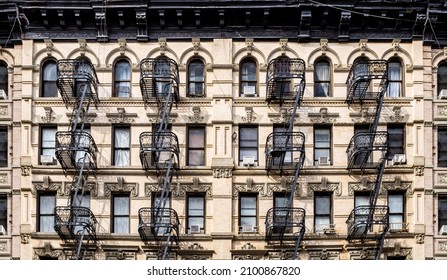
(442, 81)
(121, 85)
(322, 78)
(196, 78)
(394, 78)
(3, 80)
(49, 78)
(162, 73)
(248, 78)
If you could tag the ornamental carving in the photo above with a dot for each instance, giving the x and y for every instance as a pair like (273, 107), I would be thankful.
(3, 111)
(249, 44)
(442, 178)
(398, 184)
(248, 246)
(195, 247)
(196, 45)
(283, 45)
(155, 118)
(323, 116)
(91, 187)
(122, 45)
(361, 186)
(3, 178)
(247, 257)
(222, 172)
(397, 114)
(121, 186)
(181, 189)
(283, 116)
(24, 237)
(442, 246)
(47, 185)
(364, 116)
(323, 186)
(89, 118)
(121, 116)
(249, 118)
(419, 238)
(150, 188)
(196, 257)
(26, 170)
(120, 255)
(442, 111)
(400, 252)
(419, 170)
(285, 186)
(48, 118)
(196, 117)
(237, 188)
(323, 255)
(3, 247)
(48, 46)
(324, 44)
(48, 252)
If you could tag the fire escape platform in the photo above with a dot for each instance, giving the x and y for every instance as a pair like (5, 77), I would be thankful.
(157, 148)
(157, 223)
(76, 148)
(73, 221)
(283, 224)
(283, 150)
(367, 150)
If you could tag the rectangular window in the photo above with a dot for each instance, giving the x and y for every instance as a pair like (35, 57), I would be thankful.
(282, 200)
(442, 146)
(196, 213)
(121, 213)
(322, 145)
(45, 211)
(442, 211)
(248, 212)
(163, 144)
(279, 141)
(397, 210)
(196, 146)
(3, 147)
(248, 144)
(161, 213)
(81, 200)
(323, 211)
(48, 144)
(395, 140)
(394, 79)
(3, 211)
(121, 146)
(361, 199)
(361, 157)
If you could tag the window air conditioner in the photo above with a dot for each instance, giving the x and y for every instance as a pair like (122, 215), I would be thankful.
(2, 94)
(247, 228)
(194, 229)
(2, 230)
(398, 159)
(442, 94)
(323, 161)
(46, 159)
(249, 91)
(248, 161)
(443, 230)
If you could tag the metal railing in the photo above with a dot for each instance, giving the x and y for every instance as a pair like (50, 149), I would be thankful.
(360, 76)
(367, 149)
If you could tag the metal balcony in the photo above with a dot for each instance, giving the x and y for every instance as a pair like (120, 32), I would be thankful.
(75, 223)
(76, 78)
(282, 149)
(365, 219)
(159, 150)
(285, 224)
(76, 149)
(367, 150)
(285, 79)
(157, 224)
(159, 79)
(361, 75)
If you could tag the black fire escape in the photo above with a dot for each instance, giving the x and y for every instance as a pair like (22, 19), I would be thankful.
(159, 151)
(367, 152)
(76, 152)
(284, 153)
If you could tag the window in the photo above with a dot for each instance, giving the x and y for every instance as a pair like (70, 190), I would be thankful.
(395, 140)
(247, 212)
(397, 210)
(82, 157)
(45, 213)
(442, 211)
(279, 142)
(322, 145)
(442, 78)
(361, 199)
(163, 144)
(121, 213)
(248, 143)
(3, 147)
(248, 80)
(196, 213)
(3, 211)
(361, 70)
(283, 84)
(196, 78)
(81, 201)
(121, 86)
(163, 213)
(47, 144)
(49, 78)
(196, 146)
(323, 211)
(4, 77)
(322, 78)
(363, 156)
(394, 79)
(282, 200)
(121, 146)
(442, 146)
(162, 73)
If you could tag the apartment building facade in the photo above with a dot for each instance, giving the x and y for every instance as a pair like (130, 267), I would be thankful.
(244, 131)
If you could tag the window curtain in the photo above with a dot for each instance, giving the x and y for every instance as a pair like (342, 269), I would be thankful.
(4, 77)
(322, 212)
(394, 78)
(322, 79)
(122, 79)
(48, 141)
(47, 204)
(122, 145)
(49, 78)
(121, 214)
(396, 206)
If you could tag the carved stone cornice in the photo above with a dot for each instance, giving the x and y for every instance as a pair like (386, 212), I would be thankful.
(120, 186)
(155, 118)
(222, 172)
(47, 185)
(323, 186)
(196, 117)
(48, 118)
(284, 186)
(121, 116)
(323, 116)
(250, 117)
(419, 170)
(283, 116)
(120, 255)
(90, 118)
(398, 184)
(361, 186)
(442, 246)
(237, 188)
(48, 252)
(91, 187)
(323, 254)
(150, 188)
(249, 257)
(364, 116)
(180, 190)
(398, 251)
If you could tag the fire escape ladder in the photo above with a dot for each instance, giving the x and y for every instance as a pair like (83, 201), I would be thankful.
(76, 152)
(159, 151)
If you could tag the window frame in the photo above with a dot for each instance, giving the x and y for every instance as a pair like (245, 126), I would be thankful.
(400, 213)
(328, 149)
(115, 149)
(192, 149)
(127, 80)
(279, 216)
(42, 147)
(190, 216)
(392, 149)
(442, 72)
(46, 81)
(242, 216)
(4, 86)
(4, 201)
(248, 147)
(323, 215)
(318, 81)
(114, 216)
(442, 211)
(4, 146)
(398, 81)
(245, 78)
(442, 152)
(50, 194)
(357, 196)
(200, 79)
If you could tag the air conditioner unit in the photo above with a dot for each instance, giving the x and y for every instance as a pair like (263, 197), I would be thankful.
(323, 161)
(194, 229)
(46, 159)
(247, 228)
(248, 161)
(443, 230)
(442, 94)
(2, 230)
(399, 159)
(249, 91)
(2, 94)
